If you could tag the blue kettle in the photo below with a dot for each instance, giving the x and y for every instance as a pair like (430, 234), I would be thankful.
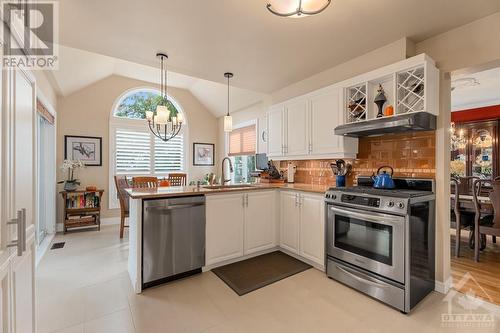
(383, 180)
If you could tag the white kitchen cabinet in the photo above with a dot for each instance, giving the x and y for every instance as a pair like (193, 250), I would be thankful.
(302, 228)
(289, 221)
(224, 227)
(312, 228)
(296, 136)
(325, 109)
(275, 119)
(260, 226)
(303, 128)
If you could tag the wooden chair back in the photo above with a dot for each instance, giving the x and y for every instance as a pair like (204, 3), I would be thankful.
(177, 179)
(455, 183)
(144, 182)
(465, 185)
(495, 201)
(122, 184)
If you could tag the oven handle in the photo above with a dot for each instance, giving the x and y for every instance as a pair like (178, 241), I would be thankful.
(371, 217)
(362, 278)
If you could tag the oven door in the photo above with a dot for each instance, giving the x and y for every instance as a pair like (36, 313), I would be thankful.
(369, 240)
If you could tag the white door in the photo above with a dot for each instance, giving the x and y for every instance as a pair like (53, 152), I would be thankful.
(312, 228)
(260, 226)
(24, 190)
(224, 227)
(275, 132)
(289, 224)
(296, 133)
(324, 115)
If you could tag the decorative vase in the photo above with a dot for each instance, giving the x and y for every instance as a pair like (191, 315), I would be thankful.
(380, 100)
(70, 186)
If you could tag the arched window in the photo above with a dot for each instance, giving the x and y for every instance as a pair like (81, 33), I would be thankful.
(134, 150)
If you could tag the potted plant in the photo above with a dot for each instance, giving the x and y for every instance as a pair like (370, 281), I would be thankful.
(71, 184)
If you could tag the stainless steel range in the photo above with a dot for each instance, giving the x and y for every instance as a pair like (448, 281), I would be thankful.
(382, 242)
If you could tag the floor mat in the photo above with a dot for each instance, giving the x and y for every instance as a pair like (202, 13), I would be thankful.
(254, 273)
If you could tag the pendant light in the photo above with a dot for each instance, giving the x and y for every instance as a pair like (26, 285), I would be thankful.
(163, 123)
(297, 8)
(228, 120)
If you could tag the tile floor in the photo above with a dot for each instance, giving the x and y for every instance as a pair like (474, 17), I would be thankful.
(85, 288)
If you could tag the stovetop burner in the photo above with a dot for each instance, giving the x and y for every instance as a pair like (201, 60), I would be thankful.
(395, 193)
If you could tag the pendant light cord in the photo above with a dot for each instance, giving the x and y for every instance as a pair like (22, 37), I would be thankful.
(228, 95)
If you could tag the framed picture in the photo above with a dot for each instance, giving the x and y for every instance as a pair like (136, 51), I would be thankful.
(87, 149)
(203, 154)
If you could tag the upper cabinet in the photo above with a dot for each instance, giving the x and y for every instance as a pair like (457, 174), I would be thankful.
(303, 128)
(409, 86)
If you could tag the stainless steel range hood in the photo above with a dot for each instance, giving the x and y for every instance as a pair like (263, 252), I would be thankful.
(418, 121)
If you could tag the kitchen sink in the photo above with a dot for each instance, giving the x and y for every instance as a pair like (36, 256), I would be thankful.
(229, 187)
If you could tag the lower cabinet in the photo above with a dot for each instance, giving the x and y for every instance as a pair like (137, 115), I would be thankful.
(224, 227)
(239, 224)
(302, 227)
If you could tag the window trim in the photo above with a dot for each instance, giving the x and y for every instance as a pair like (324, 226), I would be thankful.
(137, 124)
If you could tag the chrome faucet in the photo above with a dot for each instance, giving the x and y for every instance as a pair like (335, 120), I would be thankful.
(231, 170)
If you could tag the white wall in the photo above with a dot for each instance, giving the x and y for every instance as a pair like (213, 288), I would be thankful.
(87, 112)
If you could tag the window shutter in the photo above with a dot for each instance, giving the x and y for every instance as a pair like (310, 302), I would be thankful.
(133, 152)
(242, 141)
(169, 156)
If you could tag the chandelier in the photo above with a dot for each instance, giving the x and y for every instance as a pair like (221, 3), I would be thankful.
(165, 124)
(297, 8)
(458, 141)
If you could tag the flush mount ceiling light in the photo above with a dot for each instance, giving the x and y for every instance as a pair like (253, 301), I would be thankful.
(165, 124)
(464, 82)
(228, 120)
(297, 8)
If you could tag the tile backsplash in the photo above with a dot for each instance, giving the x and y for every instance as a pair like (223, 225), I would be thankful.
(410, 154)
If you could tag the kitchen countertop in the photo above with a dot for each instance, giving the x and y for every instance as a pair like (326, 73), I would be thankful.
(174, 191)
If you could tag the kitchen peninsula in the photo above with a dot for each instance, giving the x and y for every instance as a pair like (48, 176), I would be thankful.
(242, 221)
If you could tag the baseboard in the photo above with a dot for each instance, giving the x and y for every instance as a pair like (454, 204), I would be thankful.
(41, 249)
(443, 287)
(104, 221)
(307, 261)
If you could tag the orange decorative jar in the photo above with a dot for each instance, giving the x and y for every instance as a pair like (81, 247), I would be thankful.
(389, 111)
(164, 183)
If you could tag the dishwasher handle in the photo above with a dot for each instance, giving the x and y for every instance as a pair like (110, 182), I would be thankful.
(174, 207)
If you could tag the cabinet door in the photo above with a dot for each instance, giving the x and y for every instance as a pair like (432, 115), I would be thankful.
(260, 226)
(224, 227)
(325, 110)
(289, 226)
(312, 228)
(297, 134)
(275, 132)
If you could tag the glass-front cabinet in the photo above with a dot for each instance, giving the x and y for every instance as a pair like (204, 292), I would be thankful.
(474, 149)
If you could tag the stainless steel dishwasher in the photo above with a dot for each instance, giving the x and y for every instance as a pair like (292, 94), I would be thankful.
(173, 239)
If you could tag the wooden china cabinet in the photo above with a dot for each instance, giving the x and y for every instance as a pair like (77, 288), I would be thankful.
(475, 150)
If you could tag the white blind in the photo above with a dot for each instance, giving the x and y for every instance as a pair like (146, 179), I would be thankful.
(133, 152)
(138, 152)
(169, 156)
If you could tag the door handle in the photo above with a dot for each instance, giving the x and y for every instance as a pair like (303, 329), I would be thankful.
(362, 278)
(20, 221)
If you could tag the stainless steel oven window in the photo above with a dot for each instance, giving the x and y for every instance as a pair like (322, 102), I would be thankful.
(367, 239)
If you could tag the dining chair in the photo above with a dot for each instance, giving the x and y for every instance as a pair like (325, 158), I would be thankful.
(177, 179)
(122, 183)
(144, 182)
(463, 218)
(486, 223)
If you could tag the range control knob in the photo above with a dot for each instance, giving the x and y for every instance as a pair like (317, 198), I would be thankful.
(334, 196)
(401, 205)
(390, 204)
